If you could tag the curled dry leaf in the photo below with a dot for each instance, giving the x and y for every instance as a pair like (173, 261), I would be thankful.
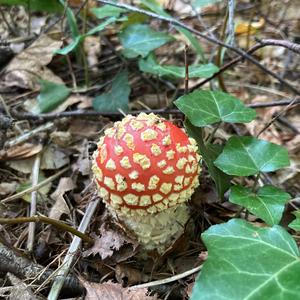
(110, 242)
(127, 275)
(21, 151)
(114, 291)
(71, 100)
(60, 206)
(29, 66)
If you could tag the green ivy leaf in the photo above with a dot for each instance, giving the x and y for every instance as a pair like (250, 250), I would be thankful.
(140, 39)
(156, 7)
(296, 223)
(209, 107)
(267, 203)
(117, 98)
(246, 155)
(209, 154)
(149, 65)
(248, 262)
(51, 95)
(107, 11)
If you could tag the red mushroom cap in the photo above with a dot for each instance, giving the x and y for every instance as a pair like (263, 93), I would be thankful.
(145, 164)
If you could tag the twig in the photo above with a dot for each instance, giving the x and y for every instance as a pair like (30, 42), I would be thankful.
(230, 25)
(173, 21)
(35, 187)
(58, 224)
(22, 138)
(12, 261)
(219, 59)
(69, 258)
(262, 43)
(35, 181)
(163, 111)
(282, 43)
(275, 118)
(186, 78)
(166, 280)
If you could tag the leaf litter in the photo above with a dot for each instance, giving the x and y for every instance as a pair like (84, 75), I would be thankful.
(114, 256)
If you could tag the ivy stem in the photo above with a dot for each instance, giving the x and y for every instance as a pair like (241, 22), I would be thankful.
(211, 136)
(55, 223)
(255, 182)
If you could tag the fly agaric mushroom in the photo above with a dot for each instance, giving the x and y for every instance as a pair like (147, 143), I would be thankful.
(146, 168)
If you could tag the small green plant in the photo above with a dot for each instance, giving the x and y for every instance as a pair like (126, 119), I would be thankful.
(274, 255)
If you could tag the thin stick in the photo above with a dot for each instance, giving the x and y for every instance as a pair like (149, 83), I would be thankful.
(24, 137)
(173, 21)
(230, 25)
(166, 280)
(35, 187)
(56, 223)
(163, 111)
(262, 43)
(186, 79)
(69, 258)
(35, 181)
(275, 118)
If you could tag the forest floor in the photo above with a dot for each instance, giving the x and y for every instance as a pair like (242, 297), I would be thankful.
(46, 149)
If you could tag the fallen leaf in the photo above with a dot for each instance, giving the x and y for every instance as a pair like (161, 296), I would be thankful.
(83, 163)
(114, 291)
(29, 66)
(8, 188)
(244, 27)
(127, 275)
(61, 138)
(20, 290)
(53, 158)
(60, 206)
(109, 242)
(71, 100)
(84, 128)
(92, 49)
(21, 151)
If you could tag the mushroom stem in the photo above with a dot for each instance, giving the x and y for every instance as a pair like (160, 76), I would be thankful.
(155, 231)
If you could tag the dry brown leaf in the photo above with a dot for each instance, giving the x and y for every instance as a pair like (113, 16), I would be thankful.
(109, 242)
(92, 48)
(21, 151)
(53, 158)
(60, 206)
(114, 291)
(83, 163)
(127, 275)
(8, 188)
(61, 138)
(71, 100)
(290, 172)
(29, 66)
(20, 290)
(84, 128)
